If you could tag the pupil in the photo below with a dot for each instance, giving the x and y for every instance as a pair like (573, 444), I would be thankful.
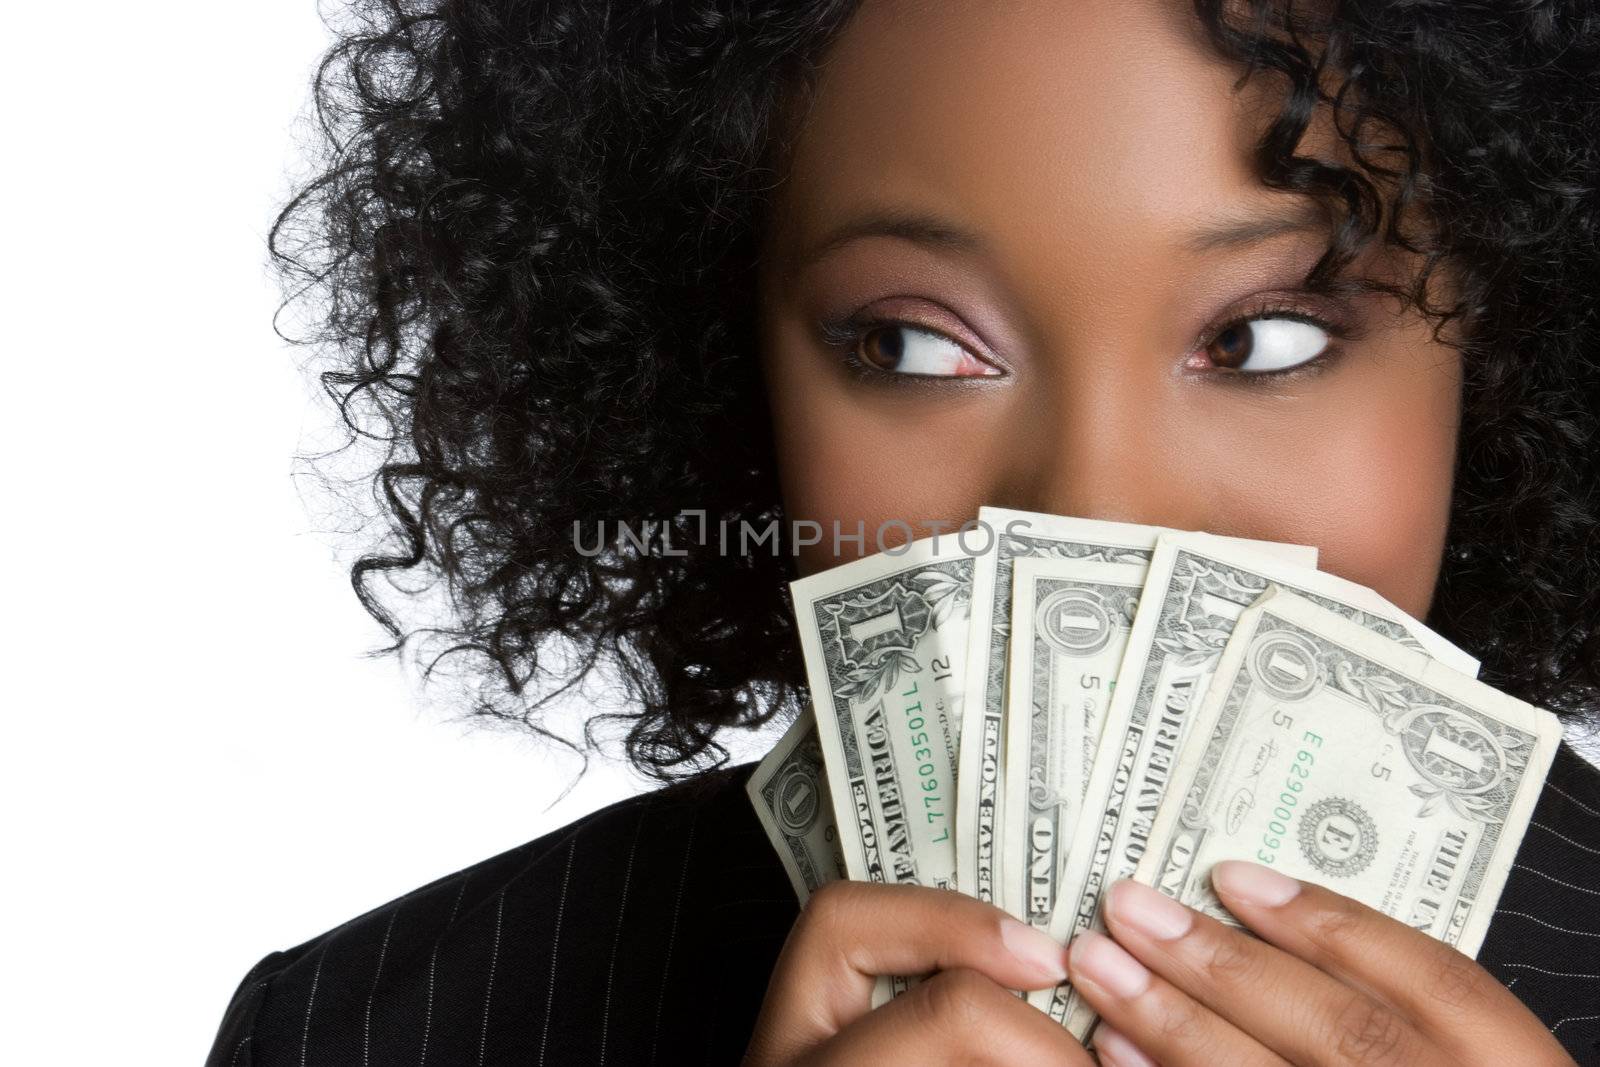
(887, 352)
(1233, 346)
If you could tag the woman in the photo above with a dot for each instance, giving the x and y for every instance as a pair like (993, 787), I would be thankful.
(1306, 273)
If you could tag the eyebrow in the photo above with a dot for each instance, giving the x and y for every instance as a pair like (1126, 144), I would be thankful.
(928, 230)
(935, 232)
(1304, 217)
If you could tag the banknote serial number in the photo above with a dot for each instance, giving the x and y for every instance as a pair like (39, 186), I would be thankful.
(1294, 783)
(927, 772)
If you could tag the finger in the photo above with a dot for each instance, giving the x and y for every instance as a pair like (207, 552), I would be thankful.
(1115, 1049)
(955, 1017)
(1303, 1014)
(850, 932)
(1442, 991)
(1160, 1019)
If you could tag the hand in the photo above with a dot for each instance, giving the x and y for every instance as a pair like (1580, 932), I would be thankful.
(1334, 983)
(818, 1005)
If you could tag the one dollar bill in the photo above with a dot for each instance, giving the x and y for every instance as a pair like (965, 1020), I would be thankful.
(1195, 593)
(884, 639)
(789, 790)
(1070, 620)
(1343, 758)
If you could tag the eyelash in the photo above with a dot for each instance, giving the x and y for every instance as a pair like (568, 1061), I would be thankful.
(847, 333)
(1337, 331)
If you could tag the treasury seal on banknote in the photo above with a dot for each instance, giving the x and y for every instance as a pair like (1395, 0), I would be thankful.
(1338, 837)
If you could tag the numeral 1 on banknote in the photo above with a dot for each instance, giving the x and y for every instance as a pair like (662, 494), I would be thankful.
(789, 790)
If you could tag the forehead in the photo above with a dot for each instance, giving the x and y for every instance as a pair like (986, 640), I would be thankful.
(1053, 128)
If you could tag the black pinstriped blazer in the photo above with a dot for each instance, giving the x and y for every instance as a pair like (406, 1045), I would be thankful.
(644, 934)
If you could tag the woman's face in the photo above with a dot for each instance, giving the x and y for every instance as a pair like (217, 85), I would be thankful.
(1087, 304)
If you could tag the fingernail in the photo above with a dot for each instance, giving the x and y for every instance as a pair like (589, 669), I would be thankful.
(1148, 911)
(1115, 1050)
(1103, 962)
(1253, 883)
(1035, 948)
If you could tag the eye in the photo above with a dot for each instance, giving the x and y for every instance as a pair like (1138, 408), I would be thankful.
(1267, 343)
(899, 348)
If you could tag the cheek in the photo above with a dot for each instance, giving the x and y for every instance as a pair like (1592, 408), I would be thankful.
(864, 475)
(858, 459)
(1392, 493)
(1366, 478)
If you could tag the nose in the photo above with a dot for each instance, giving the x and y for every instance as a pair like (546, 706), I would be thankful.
(1095, 439)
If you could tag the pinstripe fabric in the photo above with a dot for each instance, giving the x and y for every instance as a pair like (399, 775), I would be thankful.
(644, 934)
(1544, 942)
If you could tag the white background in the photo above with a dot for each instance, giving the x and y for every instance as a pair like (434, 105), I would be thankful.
(199, 765)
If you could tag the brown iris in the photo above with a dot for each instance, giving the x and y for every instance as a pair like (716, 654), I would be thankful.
(886, 354)
(1232, 346)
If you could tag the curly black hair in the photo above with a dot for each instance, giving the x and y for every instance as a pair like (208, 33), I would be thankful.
(531, 244)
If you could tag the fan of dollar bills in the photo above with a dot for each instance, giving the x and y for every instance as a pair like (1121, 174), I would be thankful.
(1029, 712)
